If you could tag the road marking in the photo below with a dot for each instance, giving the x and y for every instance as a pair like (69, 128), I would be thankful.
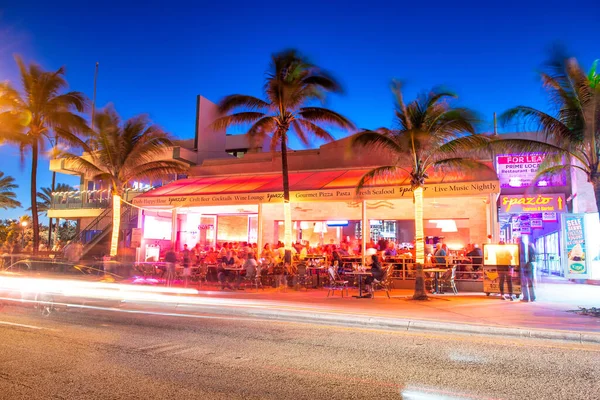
(21, 325)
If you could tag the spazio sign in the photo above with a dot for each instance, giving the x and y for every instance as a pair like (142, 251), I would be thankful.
(371, 193)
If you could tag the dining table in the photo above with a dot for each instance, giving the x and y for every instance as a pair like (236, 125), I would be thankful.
(360, 275)
(436, 278)
(354, 261)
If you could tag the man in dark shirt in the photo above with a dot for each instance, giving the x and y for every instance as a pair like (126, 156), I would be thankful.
(170, 260)
(476, 256)
(223, 275)
(186, 259)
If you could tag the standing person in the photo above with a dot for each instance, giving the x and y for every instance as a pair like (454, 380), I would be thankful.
(504, 264)
(186, 259)
(170, 260)
(527, 266)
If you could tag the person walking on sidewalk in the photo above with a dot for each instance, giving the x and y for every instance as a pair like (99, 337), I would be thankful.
(527, 259)
(170, 260)
(186, 260)
(504, 264)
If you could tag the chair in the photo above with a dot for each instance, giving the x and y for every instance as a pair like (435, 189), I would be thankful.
(256, 281)
(385, 284)
(200, 274)
(448, 280)
(335, 282)
(301, 277)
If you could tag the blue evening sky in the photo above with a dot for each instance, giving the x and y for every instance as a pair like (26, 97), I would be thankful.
(155, 57)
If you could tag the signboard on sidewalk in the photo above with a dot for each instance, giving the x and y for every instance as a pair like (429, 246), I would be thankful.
(492, 276)
(534, 203)
(575, 246)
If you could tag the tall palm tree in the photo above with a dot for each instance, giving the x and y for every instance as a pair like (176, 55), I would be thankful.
(428, 134)
(292, 89)
(125, 152)
(44, 203)
(40, 111)
(570, 134)
(7, 196)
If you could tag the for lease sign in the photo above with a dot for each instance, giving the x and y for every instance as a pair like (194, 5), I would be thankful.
(519, 170)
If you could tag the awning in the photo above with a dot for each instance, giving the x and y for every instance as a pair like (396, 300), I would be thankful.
(325, 185)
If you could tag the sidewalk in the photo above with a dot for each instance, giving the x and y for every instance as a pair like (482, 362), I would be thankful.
(467, 313)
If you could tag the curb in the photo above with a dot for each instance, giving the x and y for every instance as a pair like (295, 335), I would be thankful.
(404, 324)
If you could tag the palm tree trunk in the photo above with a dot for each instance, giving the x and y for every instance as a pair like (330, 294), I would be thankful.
(287, 212)
(50, 219)
(420, 293)
(34, 210)
(116, 225)
(596, 185)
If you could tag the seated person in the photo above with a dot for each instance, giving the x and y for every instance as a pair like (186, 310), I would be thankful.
(476, 256)
(222, 274)
(343, 250)
(391, 250)
(439, 257)
(250, 266)
(336, 260)
(377, 273)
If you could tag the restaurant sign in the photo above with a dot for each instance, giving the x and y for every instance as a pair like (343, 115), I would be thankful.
(345, 194)
(534, 203)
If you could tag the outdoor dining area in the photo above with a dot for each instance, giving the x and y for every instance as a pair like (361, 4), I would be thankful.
(244, 267)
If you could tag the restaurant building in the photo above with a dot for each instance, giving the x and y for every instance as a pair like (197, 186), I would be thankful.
(240, 200)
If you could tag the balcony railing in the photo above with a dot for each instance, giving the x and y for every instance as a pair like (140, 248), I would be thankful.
(88, 199)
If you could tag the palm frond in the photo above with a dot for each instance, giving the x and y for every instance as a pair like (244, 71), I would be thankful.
(462, 165)
(8, 198)
(325, 116)
(540, 121)
(383, 174)
(466, 146)
(240, 118)
(263, 127)
(298, 128)
(315, 130)
(235, 101)
(376, 142)
(524, 146)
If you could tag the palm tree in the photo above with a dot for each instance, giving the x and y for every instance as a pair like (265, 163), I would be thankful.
(39, 112)
(292, 87)
(7, 196)
(429, 134)
(44, 203)
(570, 136)
(123, 152)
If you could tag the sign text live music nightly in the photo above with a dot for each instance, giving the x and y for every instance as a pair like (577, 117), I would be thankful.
(345, 194)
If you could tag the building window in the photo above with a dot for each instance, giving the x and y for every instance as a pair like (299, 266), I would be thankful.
(239, 153)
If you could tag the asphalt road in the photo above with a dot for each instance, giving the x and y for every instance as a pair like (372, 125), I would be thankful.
(113, 355)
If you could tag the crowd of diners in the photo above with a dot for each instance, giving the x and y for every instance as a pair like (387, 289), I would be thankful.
(235, 261)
